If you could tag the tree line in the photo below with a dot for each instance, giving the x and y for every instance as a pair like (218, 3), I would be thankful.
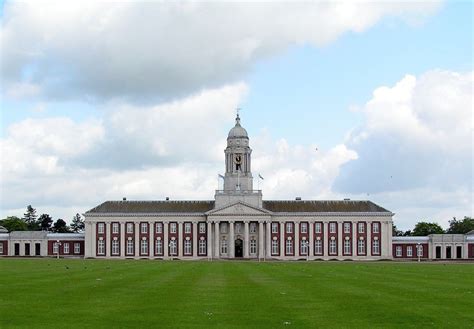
(31, 222)
(423, 228)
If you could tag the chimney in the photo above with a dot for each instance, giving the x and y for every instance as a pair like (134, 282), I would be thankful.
(124, 199)
(167, 198)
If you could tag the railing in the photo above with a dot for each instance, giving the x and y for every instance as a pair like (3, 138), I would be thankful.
(235, 192)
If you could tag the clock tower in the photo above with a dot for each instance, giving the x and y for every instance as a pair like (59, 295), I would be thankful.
(238, 180)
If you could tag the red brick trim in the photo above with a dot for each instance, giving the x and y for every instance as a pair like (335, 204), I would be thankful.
(290, 235)
(321, 238)
(275, 236)
(332, 237)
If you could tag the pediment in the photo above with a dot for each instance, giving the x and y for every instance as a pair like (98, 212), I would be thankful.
(238, 208)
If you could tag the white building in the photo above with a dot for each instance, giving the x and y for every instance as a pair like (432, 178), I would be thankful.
(238, 223)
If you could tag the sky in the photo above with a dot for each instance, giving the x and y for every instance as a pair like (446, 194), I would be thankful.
(360, 100)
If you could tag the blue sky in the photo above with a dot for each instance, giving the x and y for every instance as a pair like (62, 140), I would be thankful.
(292, 92)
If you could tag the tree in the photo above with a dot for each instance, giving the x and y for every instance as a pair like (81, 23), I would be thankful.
(45, 222)
(395, 231)
(77, 224)
(13, 223)
(60, 226)
(425, 228)
(460, 226)
(30, 218)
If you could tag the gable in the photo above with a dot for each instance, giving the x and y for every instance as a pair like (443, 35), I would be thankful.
(239, 208)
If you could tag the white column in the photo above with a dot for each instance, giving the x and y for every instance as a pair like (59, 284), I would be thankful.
(388, 238)
(326, 239)
(282, 239)
(89, 237)
(311, 239)
(108, 242)
(209, 240)
(268, 239)
(180, 239)
(165, 239)
(151, 240)
(369, 238)
(297, 239)
(260, 240)
(216, 240)
(231, 240)
(137, 239)
(195, 239)
(354, 239)
(246, 239)
(122, 239)
(340, 243)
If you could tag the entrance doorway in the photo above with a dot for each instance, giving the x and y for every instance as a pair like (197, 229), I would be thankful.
(38, 249)
(458, 252)
(448, 252)
(239, 248)
(27, 249)
(438, 252)
(17, 249)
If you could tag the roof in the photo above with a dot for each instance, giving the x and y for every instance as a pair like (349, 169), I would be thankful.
(410, 238)
(3, 230)
(238, 131)
(136, 207)
(323, 206)
(74, 236)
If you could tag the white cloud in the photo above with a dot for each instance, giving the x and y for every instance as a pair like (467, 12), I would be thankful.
(142, 50)
(416, 147)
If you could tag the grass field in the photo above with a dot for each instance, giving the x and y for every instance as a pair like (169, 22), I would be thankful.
(37, 293)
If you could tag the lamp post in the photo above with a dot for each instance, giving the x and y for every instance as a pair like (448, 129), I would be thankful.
(418, 246)
(58, 244)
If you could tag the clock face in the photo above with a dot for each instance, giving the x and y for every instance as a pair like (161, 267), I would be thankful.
(238, 158)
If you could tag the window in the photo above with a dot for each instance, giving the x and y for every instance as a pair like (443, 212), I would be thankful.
(130, 247)
(274, 247)
(159, 228)
(1, 248)
(187, 247)
(144, 247)
(100, 228)
(172, 227)
(304, 227)
(361, 228)
(253, 228)
(202, 227)
(375, 228)
(318, 247)
(361, 247)
(115, 228)
(420, 251)
(223, 246)
(66, 247)
(187, 228)
(224, 228)
(289, 247)
(347, 247)
(317, 227)
(202, 247)
(332, 247)
(289, 227)
(101, 247)
(173, 248)
(304, 247)
(238, 228)
(409, 251)
(55, 248)
(115, 247)
(144, 228)
(332, 227)
(375, 247)
(347, 227)
(253, 247)
(158, 247)
(398, 251)
(129, 228)
(77, 248)
(274, 227)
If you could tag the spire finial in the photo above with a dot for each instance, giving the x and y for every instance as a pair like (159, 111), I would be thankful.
(237, 119)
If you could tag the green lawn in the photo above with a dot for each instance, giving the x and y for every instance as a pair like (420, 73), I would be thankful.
(37, 293)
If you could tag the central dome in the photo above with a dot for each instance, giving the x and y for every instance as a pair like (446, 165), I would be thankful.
(238, 131)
